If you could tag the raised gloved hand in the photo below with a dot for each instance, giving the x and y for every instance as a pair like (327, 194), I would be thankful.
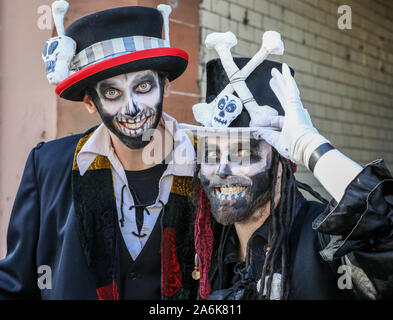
(298, 137)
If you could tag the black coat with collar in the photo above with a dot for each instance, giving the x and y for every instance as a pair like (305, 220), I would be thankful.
(43, 233)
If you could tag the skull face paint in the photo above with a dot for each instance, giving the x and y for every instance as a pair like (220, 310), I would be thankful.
(130, 104)
(235, 189)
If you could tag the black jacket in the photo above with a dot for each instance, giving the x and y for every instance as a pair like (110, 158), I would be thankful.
(39, 232)
(339, 251)
(43, 231)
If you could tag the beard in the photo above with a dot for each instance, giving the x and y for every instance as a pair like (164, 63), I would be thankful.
(235, 199)
(125, 126)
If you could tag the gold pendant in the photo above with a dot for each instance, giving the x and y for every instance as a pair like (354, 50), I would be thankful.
(196, 275)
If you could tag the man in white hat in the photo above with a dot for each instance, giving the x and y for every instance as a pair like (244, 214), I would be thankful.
(266, 241)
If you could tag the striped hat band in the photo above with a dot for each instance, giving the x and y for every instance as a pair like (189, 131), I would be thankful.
(113, 48)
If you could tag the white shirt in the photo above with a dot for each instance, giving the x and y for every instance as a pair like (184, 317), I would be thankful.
(182, 164)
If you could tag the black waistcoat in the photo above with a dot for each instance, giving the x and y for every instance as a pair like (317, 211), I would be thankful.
(141, 279)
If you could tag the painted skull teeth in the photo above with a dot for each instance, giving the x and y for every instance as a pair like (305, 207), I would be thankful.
(234, 196)
(138, 118)
(220, 121)
(230, 192)
(134, 125)
(136, 129)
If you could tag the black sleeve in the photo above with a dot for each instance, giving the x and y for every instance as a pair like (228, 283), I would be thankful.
(18, 270)
(361, 230)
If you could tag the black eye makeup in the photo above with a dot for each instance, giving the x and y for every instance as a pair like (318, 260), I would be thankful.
(243, 152)
(111, 93)
(254, 155)
(109, 90)
(144, 84)
(143, 87)
(211, 154)
(212, 157)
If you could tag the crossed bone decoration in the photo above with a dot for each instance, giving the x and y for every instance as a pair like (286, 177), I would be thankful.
(58, 51)
(205, 113)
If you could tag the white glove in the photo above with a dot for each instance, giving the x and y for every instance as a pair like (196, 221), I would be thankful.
(298, 137)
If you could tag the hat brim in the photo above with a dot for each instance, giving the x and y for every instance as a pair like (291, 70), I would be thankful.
(200, 131)
(173, 61)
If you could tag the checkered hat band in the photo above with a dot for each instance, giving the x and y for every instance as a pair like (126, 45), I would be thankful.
(115, 47)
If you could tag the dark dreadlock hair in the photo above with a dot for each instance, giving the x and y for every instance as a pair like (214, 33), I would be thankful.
(282, 215)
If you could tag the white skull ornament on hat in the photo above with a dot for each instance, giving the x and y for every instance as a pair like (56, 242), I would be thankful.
(217, 115)
(58, 51)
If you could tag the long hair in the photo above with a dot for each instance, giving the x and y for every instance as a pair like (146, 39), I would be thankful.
(278, 254)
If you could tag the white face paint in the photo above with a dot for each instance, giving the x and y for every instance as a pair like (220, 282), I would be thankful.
(236, 175)
(130, 104)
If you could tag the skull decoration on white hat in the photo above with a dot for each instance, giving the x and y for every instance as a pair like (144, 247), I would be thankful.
(226, 107)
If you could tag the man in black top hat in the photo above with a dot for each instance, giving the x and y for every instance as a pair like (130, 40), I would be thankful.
(266, 240)
(97, 215)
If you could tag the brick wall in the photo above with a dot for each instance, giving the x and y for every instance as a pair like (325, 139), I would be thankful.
(345, 76)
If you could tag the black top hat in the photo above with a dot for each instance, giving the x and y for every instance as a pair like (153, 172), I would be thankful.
(118, 41)
(257, 82)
